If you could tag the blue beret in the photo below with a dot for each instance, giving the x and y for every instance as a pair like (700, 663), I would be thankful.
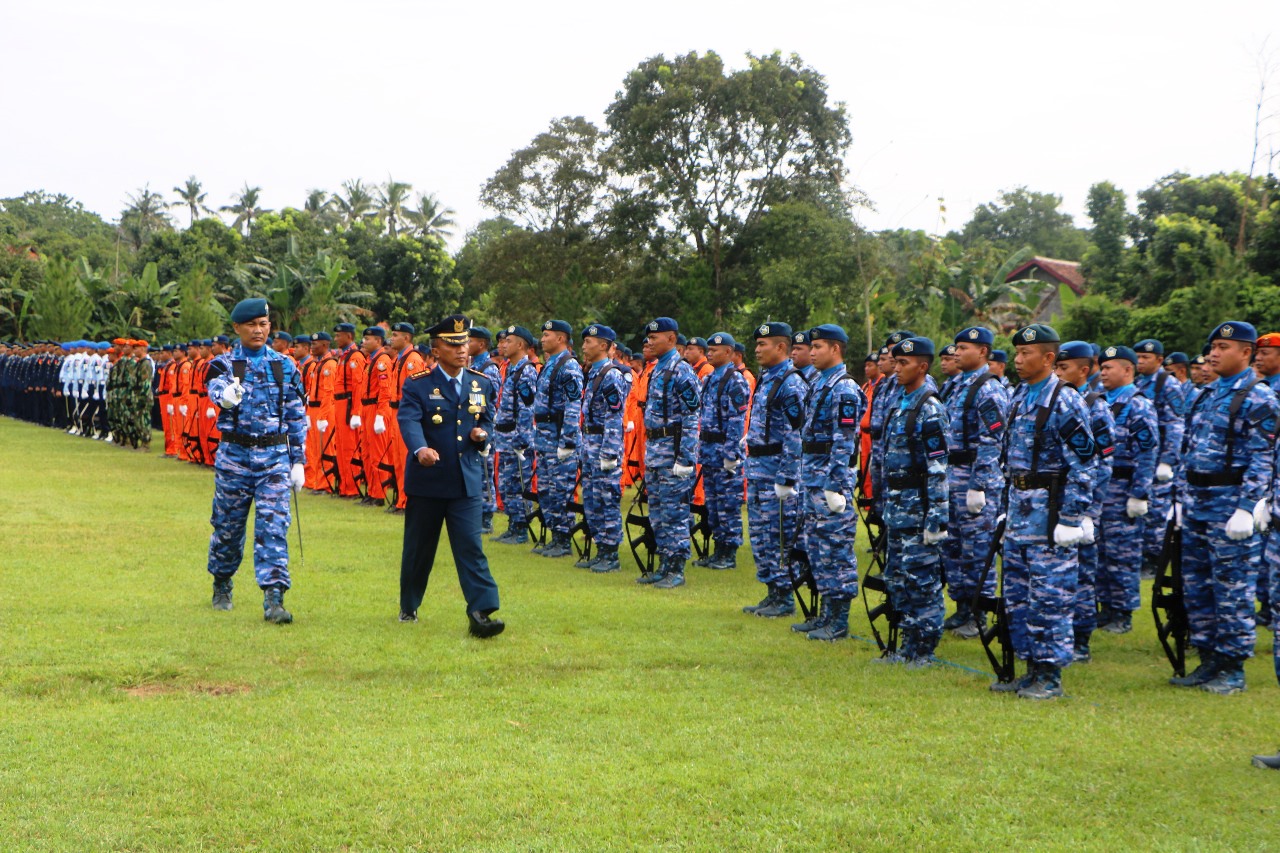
(103, 345)
(452, 329)
(302, 339)
(1097, 350)
(802, 337)
(208, 342)
(1150, 345)
(345, 327)
(773, 330)
(1000, 356)
(403, 327)
(280, 336)
(595, 330)
(558, 326)
(872, 357)
(167, 348)
(740, 347)
(913, 346)
(827, 332)
(897, 337)
(1198, 360)
(1036, 333)
(522, 333)
(698, 342)
(321, 336)
(376, 331)
(248, 309)
(481, 332)
(681, 340)
(223, 339)
(976, 335)
(662, 324)
(722, 339)
(949, 349)
(1176, 358)
(1235, 330)
(1075, 349)
(1118, 352)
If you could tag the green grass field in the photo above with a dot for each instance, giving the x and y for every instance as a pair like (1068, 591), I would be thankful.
(134, 717)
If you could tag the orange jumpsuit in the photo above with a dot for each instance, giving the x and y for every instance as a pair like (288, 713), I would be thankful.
(375, 402)
(182, 398)
(392, 469)
(165, 400)
(348, 442)
(864, 478)
(322, 407)
(633, 416)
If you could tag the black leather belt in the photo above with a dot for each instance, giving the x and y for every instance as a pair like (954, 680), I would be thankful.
(593, 430)
(1122, 472)
(711, 437)
(664, 432)
(1234, 477)
(757, 450)
(395, 404)
(1026, 480)
(816, 447)
(314, 404)
(370, 401)
(346, 395)
(505, 427)
(254, 440)
(908, 481)
(549, 419)
(962, 457)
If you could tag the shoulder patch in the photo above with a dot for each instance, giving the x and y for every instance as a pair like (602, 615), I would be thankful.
(418, 375)
(1078, 438)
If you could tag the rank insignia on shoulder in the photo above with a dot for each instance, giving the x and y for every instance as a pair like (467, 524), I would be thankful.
(419, 374)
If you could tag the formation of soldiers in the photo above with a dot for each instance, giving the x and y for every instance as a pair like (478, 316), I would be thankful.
(1036, 508)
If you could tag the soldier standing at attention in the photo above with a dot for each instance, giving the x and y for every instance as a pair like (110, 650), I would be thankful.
(950, 369)
(514, 434)
(725, 399)
(408, 361)
(671, 451)
(264, 433)
(481, 361)
(773, 467)
(828, 471)
(1167, 394)
(375, 411)
(322, 410)
(346, 395)
(998, 363)
(802, 356)
(604, 395)
(1228, 470)
(557, 410)
(1050, 462)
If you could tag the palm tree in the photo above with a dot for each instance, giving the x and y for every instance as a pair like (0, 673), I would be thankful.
(432, 219)
(317, 202)
(245, 207)
(391, 199)
(356, 205)
(144, 216)
(191, 197)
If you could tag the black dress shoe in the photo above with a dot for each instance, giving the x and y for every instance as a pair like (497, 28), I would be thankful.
(408, 616)
(484, 627)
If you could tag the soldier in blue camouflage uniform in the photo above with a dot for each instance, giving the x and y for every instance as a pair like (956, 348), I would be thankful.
(915, 503)
(828, 474)
(557, 410)
(948, 367)
(264, 434)
(1126, 502)
(514, 433)
(725, 398)
(478, 341)
(1228, 470)
(998, 363)
(671, 451)
(1049, 465)
(604, 395)
(773, 467)
(1074, 366)
(886, 399)
(977, 408)
(1162, 389)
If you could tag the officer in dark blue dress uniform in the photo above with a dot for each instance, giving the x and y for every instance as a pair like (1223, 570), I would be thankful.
(445, 418)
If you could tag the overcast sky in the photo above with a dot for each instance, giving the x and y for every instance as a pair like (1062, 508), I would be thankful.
(944, 101)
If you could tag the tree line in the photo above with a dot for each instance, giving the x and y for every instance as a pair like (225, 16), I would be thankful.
(714, 194)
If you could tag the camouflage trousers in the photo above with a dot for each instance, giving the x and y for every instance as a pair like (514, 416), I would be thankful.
(1271, 562)
(556, 483)
(769, 522)
(1121, 544)
(913, 576)
(669, 511)
(723, 492)
(965, 552)
(1218, 580)
(515, 476)
(1156, 521)
(830, 545)
(1085, 613)
(244, 475)
(602, 505)
(1039, 594)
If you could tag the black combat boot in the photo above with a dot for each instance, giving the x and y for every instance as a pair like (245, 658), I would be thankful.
(1047, 683)
(817, 620)
(559, 546)
(673, 574)
(728, 558)
(784, 604)
(767, 601)
(606, 560)
(964, 609)
(1121, 622)
(705, 562)
(273, 606)
(1081, 653)
(1017, 684)
(588, 559)
(1203, 673)
(1229, 678)
(221, 593)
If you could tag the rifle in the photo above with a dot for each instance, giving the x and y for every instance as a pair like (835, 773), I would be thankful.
(534, 513)
(580, 527)
(873, 580)
(642, 542)
(1172, 628)
(790, 556)
(998, 631)
(700, 531)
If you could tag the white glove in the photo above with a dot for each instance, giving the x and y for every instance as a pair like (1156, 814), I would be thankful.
(1137, 508)
(379, 425)
(211, 412)
(323, 426)
(1240, 525)
(608, 464)
(183, 410)
(484, 451)
(1262, 515)
(933, 538)
(975, 501)
(835, 501)
(520, 455)
(731, 465)
(297, 477)
(1067, 537)
(783, 492)
(169, 408)
(682, 471)
(1086, 524)
(355, 422)
(232, 395)
(563, 453)
(631, 426)
(1164, 473)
